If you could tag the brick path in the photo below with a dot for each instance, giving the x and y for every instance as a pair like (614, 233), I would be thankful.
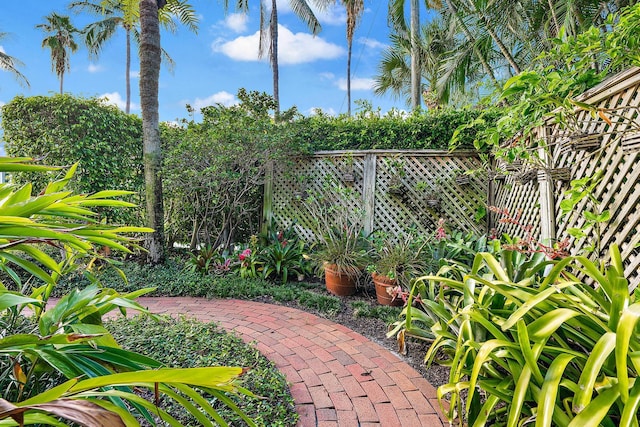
(338, 377)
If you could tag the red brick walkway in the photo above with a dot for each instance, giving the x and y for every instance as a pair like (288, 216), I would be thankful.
(338, 377)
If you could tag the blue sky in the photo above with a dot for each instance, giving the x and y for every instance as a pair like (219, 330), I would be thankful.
(212, 65)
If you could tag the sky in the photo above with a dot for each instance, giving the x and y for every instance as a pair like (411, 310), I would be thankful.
(212, 65)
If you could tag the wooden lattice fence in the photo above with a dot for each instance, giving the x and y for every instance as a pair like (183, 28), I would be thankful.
(395, 191)
(615, 155)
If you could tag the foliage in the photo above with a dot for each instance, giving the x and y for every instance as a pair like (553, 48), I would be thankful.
(65, 130)
(399, 258)
(218, 166)
(190, 344)
(340, 232)
(368, 130)
(582, 193)
(524, 345)
(283, 254)
(69, 339)
(546, 91)
(208, 260)
(387, 314)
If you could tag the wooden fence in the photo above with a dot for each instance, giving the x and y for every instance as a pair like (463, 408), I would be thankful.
(615, 155)
(400, 190)
(394, 190)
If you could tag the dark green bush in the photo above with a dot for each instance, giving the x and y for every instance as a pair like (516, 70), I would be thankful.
(63, 130)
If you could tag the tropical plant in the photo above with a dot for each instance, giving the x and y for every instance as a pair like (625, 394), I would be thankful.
(11, 64)
(68, 339)
(59, 33)
(548, 347)
(125, 14)
(400, 258)
(282, 254)
(354, 9)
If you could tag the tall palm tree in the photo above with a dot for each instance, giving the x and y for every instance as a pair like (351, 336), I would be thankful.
(59, 39)
(149, 77)
(125, 14)
(269, 33)
(354, 9)
(399, 24)
(11, 64)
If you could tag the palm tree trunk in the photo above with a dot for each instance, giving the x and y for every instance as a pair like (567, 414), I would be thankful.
(149, 77)
(61, 81)
(415, 55)
(127, 76)
(349, 46)
(273, 29)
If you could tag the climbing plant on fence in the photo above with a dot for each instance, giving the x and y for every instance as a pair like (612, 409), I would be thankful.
(63, 130)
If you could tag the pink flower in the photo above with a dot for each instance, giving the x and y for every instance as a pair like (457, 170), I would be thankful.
(244, 254)
(441, 234)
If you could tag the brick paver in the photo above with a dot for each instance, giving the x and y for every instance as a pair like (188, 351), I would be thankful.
(330, 388)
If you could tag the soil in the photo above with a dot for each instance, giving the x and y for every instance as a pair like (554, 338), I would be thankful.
(376, 330)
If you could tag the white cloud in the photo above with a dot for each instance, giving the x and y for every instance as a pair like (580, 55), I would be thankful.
(327, 76)
(225, 98)
(94, 68)
(2, 49)
(134, 74)
(293, 48)
(356, 84)
(2, 103)
(236, 22)
(116, 99)
(371, 43)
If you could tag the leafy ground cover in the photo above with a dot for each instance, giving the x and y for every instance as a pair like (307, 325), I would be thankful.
(188, 343)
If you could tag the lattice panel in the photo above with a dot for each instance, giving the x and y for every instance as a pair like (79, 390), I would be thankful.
(619, 189)
(429, 192)
(309, 176)
(421, 174)
(516, 197)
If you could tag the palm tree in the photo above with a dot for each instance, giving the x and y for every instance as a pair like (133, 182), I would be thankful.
(59, 39)
(125, 14)
(11, 64)
(399, 24)
(354, 12)
(269, 33)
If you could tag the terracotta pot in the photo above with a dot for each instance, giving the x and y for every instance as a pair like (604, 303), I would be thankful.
(340, 284)
(382, 284)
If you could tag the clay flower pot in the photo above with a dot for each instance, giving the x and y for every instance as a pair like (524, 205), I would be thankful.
(383, 284)
(339, 283)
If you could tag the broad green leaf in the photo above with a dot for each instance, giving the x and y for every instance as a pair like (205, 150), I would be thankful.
(591, 370)
(12, 299)
(630, 410)
(205, 377)
(595, 412)
(528, 305)
(530, 357)
(549, 390)
(626, 326)
(548, 323)
(519, 394)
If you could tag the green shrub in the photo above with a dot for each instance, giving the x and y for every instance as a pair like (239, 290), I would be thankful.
(524, 346)
(190, 344)
(65, 130)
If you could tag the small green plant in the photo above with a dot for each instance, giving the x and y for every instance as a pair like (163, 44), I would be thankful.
(209, 260)
(582, 193)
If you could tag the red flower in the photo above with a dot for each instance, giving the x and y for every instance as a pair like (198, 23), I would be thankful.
(244, 254)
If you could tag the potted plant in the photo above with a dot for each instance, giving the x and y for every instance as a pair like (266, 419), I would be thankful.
(343, 253)
(397, 261)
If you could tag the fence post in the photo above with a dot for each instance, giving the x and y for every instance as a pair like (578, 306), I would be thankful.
(369, 192)
(267, 202)
(547, 199)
